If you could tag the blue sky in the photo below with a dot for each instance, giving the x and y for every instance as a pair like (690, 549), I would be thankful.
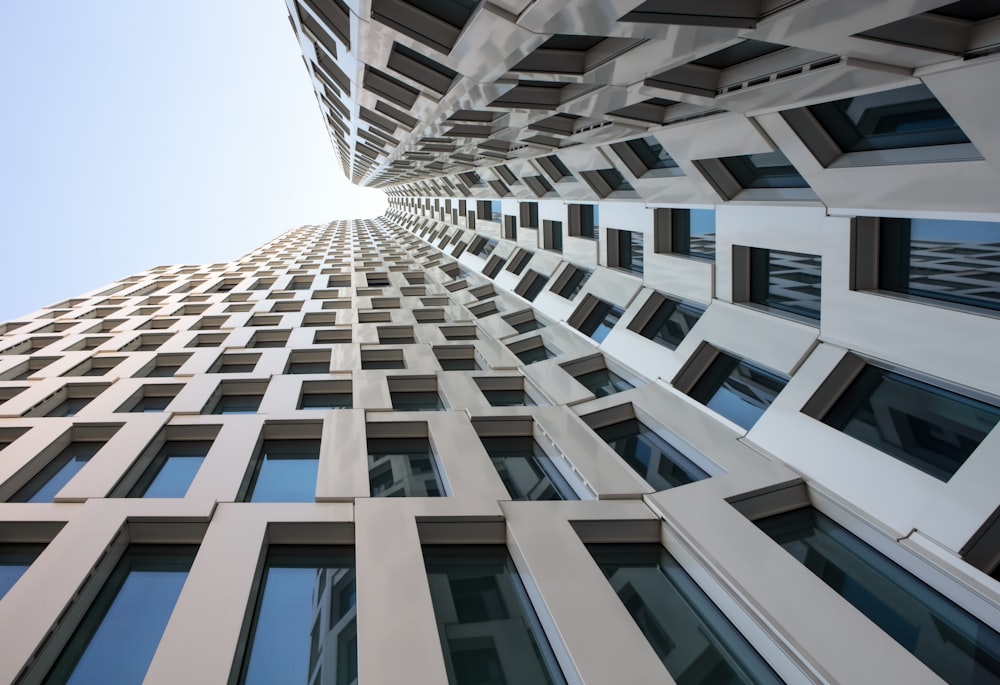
(136, 134)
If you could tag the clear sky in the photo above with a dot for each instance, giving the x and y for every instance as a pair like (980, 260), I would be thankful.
(134, 134)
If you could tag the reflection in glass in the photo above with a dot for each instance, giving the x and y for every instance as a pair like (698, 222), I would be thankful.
(948, 640)
(659, 463)
(601, 319)
(604, 382)
(304, 628)
(695, 641)
(426, 400)
(121, 630)
(692, 232)
(929, 428)
(764, 170)
(737, 389)
(949, 261)
(402, 467)
(286, 471)
(508, 398)
(14, 561)
(786, 280)
(526, 470)
(489, 632)
(671, 322)
(172, 469)
(237, 404)
(54, 475)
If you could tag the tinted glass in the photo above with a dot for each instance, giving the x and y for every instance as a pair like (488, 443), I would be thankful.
(671, 322)
(305, 619)
(534, 354)
(786, 280)
(764, 170)
(508, 398)
(950, 261)
(692, 232)
(416, 401)
(601, 320)
(678, 619)
(603, 382)
(70, 406)
(738, 390)
(489, 631)
(237, 404)
(929, 428)
(172, 469)
(901, 118)
(951, 642)
(526, 470)
(574, 283)
(309, 367)
(660, 464)
(54, 475)
(14, 561)
(326, 400)
(286, 471)
(535, 287)
(402, 467)
(119, 634)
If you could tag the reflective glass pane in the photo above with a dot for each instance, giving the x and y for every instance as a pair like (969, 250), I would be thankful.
(508, 398)
(929, 428)
(526, 470)
(534, 354)
(951, 642)
(237, 404)
(416, 401)
(786, 280)
(303, 627)
(671, 322)
(738, 390)
(70, 406)
(660, 464)
(119, 634)
(601, 320)
(694, 640)
(603, 382)
(489, 632)
(172, 469)
(692, 232)
(54, 475)
(14, 561)
(286, 471)
(326, 400)
(402, 467)
(764, 170)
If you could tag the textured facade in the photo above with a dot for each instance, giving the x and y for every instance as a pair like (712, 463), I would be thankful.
(673, 360)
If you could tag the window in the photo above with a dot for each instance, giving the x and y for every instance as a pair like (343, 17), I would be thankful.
(531, 350)
(96, 366)
(656, 461)
(415, 393)
(595, 318)
(519, 261)
(733, 387)
(486, 623)
(172, 470)
(529, 214)
(55, 474)
(763, 170)
(602, 382)
(552, 235)
(69, 401)
(665, 321)
(326, 395)
(583, 221)
(570, 282)
(953, 262)
(304, 618)
(382, 359)
(504, 391)
(285, 471)
(268, 339)
(785, 281)
(403, 467)
(951, 642)
(117, 637)
(531, 285)
(526, 470)
(151, 399)
(604, 182)
(676, 616)
(625, 250)
(688, 232)
(15, 559)
(164, 366)
(456, 357)
(644, 155)
(233, 398)
(309, 361)
(925, 426)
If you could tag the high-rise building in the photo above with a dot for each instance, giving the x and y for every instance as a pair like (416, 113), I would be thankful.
(673, 360)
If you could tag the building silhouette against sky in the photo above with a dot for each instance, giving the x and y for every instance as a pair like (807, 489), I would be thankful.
(673, 360)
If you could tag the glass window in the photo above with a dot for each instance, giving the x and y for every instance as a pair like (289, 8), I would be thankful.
(172, 470)
(950, 261)
(651, 153)
(628, 246)
(603, 382)
(54, 475)
(788, 281)
(309, 367)
(427, 400)
(692, 232)
(658, 462)
(402, 467)
(291, 640)
(737, 389)
(489, 631)
(237, 404)
(14, 561)
(695, 641)
(948, 640)
(764, 170)
(69, 407)
(574, 283)
(900, 118)
(535, 285)
(121, 630)
(526, 470)
(534, 354)
(513, 397)
(151, 404)
(929, 428)
(326, 400)
(601, 319)
(285, 471)
(671, 322)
